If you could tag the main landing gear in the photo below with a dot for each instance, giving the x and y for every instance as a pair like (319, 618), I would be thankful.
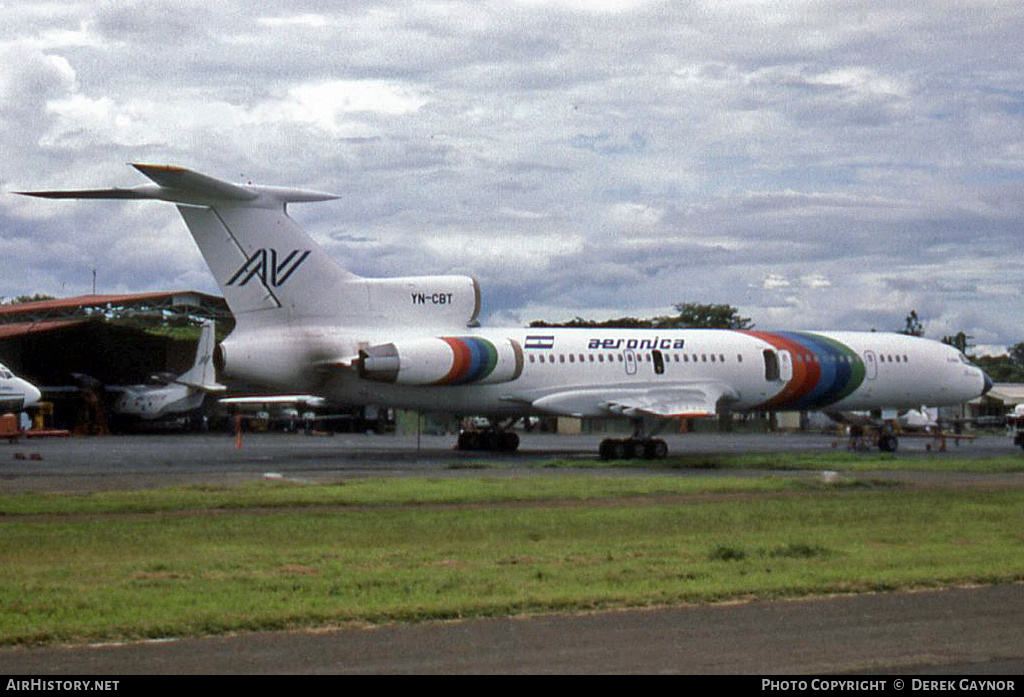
(493, 439)
(640, 446)
(629, 448)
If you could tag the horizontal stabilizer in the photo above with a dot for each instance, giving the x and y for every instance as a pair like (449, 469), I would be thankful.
(181, 185)
(186, 180)
(136, 194)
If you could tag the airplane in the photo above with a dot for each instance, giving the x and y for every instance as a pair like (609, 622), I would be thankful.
(1015, 424)
(306, 324)
(177, 396)
(16, 393)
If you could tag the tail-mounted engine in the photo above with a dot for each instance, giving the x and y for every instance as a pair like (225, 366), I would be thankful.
(446, 360)
(430, 301)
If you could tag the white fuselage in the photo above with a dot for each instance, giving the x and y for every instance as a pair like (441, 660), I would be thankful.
(577, 371)
(16, 393)
(149, 403)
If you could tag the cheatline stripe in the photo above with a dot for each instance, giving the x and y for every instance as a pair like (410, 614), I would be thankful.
(824, 370)
(473, 359)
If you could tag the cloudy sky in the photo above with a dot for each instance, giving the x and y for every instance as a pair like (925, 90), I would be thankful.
(828, 165)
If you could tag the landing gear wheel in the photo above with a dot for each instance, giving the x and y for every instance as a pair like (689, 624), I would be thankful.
(888, 444)
(655, 449)
(488, 441)
(629, 448)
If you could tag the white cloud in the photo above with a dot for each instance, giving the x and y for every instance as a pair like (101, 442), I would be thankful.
(816, 164)
(774, 281)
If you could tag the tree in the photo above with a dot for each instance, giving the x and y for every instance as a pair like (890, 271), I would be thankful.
(579, 322)
(711, 316)
(35, 297)
(1017, 353)
(1000, 368)
(914, 326)
(959, 341)
(691, 315)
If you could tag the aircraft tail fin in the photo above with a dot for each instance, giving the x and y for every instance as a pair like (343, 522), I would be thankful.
(202, 375)
(273, 274)
(266, 266)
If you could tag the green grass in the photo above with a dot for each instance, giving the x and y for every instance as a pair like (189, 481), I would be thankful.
(199, 561)
(839, 461)
(399, 491)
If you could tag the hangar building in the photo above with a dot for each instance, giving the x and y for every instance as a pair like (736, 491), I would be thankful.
(115, 339)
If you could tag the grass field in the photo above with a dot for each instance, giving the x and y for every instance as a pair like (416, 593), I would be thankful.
(199, 560)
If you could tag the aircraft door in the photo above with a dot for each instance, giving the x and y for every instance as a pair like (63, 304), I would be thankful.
(785, 366)
(659, 362)
(870, 365)
(630, 359)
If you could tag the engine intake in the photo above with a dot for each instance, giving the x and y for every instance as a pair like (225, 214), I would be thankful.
(446, 360)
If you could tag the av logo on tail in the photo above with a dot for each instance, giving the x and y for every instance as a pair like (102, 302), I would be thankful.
(271, 272)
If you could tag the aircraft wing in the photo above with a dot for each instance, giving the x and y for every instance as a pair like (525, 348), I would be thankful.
(690, 400)
(301, 400)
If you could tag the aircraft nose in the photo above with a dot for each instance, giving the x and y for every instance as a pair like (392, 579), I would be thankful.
(988, 383)
(32, 395)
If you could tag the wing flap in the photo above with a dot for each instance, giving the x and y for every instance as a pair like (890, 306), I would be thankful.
(683, 401)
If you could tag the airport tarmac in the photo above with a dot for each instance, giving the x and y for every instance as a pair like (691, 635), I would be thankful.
(951, 631)
(141, 461)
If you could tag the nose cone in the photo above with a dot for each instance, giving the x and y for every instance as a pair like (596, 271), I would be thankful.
(31, 392)
(988, 383)
(32, 395)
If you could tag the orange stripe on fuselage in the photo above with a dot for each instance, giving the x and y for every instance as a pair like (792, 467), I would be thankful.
(461, 358)
(806, 373)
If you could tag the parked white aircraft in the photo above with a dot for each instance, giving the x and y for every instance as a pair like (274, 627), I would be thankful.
(305, 324)
(885, 428)
(181, 395)
(16, 393)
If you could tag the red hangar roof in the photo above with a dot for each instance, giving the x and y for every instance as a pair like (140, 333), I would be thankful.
(83, 307)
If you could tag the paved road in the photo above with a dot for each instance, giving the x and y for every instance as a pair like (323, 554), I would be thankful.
(956, 631)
